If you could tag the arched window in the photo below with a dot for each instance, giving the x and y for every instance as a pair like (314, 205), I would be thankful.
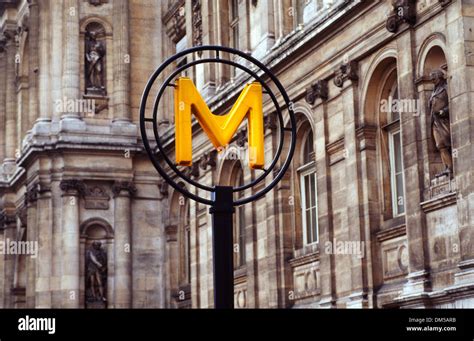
(392, 141)
(308, 191)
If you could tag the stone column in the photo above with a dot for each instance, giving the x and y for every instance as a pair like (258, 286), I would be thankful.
(32, 236)
(172, 264)
(8, 223)
(418, 281)
(325, 221)
(44, 98)
(44, 235)
(369, 204)
(71, 62)
(353, 190)
(123, 190)
(461, 69)
(70, 278)
(11, 103)
(121, 49)
(3, 64)
(33, 36)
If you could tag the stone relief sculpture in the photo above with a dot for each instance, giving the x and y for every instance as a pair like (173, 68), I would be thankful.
(96, 273)
(440, 126)
(95, 52)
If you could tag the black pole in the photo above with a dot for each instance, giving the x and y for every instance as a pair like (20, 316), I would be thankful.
(222, 246)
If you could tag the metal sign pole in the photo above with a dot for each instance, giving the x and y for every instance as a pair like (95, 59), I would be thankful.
(222, 246)
(221, 201)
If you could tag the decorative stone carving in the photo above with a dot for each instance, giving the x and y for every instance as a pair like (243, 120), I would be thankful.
(95, 52)
(120, 186)
(241, 137)
(96, 276)
(6, 220)
(440, 123)
(96, 198)
(347, 71)
(404, 11)
(31, 194)
(195, 170)
(197, 24)
(319, 89)
(73, 185)
(208, 159)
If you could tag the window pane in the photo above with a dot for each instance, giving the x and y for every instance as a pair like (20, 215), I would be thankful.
(398, 152)
(308, 226)
(306, 192)
(308, 149)
(400, 194)
(313, 191)
(313, 224)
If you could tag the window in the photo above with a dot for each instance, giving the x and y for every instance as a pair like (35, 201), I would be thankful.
(234, 23)
(396, 172)
(395, 155)
(309, 200)
(239, 229)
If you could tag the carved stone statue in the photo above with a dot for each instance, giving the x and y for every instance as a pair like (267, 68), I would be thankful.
(440, 126)
(96, 273)
(95, 53)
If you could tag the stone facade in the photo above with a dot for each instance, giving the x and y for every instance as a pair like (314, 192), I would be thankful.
(362, 219)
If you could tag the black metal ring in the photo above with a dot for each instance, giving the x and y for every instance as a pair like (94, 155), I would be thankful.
(156, 163)
(167, 159)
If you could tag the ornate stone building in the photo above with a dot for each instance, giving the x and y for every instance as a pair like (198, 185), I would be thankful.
(375, 211)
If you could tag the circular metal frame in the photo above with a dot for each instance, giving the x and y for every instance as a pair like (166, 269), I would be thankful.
(253, 74)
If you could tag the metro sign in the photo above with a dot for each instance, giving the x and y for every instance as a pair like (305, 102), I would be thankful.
(219, 129)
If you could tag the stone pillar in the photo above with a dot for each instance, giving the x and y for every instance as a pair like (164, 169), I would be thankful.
(32, 236)
(70, 278)
(353, 190)
(44, 235)
(121, 49)
(56, 22)
(71, 63)
(459, 43)
(3, 64)
(208, 71)
(369, 205)
(418, 281)
(325, 221)
(123, 190)
(264, 17)
(172, 264)
(33, 36)
(8, 223)
(44, 86)
(11, 103)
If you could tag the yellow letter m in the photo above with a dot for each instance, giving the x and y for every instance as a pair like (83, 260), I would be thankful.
(219, 129)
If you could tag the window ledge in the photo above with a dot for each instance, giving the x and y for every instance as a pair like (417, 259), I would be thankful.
(307, 254)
